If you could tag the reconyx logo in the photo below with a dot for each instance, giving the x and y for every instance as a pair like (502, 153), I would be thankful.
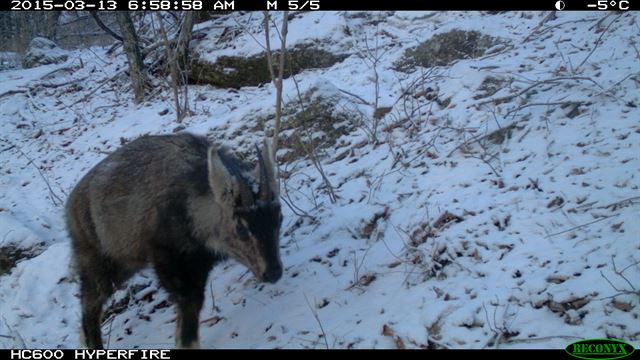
(599, 349)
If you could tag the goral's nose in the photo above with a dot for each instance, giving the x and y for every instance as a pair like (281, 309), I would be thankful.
(272, 275)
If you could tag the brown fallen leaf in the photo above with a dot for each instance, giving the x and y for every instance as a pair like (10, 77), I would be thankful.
(387, 331)
(555, 306)
(621, 305)
(577, 303)
(212, 320)
(366, 279)
(557, 279)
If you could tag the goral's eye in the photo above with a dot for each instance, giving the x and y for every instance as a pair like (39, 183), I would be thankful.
(242, 231)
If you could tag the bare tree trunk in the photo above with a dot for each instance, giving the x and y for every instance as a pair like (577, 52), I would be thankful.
(182, 46)
(277, 82)
(172, 63)
(183, 60)
(134, 58)
(51, 24)
(7, 31)
(26, 31)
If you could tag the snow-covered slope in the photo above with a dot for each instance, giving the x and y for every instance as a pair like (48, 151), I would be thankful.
(504, 217)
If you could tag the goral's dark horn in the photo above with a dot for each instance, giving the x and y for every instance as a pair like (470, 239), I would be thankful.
(264, 190)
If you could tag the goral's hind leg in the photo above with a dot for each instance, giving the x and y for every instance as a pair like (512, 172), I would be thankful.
(98, 280)
(94, 291)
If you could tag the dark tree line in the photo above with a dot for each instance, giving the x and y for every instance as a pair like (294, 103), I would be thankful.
(18, 28)
(141, 42)
(176, 52)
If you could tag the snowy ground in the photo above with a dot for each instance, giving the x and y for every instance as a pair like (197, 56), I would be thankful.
(539, 185)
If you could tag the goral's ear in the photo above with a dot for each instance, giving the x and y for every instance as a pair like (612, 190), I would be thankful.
(220, 180)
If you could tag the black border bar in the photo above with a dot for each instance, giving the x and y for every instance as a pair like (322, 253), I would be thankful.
(346, 5)
(137, 354)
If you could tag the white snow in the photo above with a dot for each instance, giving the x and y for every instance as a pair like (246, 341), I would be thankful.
(546, 252)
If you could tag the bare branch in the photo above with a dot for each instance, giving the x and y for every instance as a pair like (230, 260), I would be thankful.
(54, 198)
(550, 16)
(88, 95)
(277, 81)
(527, 89)
(362, 101)
(598, 41)
(96, 18)
(283, 49)
(311, 150)
(620, 273)
(315, 316)
(173, 67)
(581, 226)
(269, 54)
